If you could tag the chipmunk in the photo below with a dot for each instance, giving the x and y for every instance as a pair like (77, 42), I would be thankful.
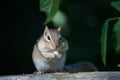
(49, 53)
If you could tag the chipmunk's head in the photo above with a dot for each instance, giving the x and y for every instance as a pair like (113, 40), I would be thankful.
(52, 37)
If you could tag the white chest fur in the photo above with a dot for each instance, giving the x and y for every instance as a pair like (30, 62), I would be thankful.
(52, 65)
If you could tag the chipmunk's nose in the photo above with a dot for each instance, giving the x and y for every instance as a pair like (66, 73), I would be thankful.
(56, 45)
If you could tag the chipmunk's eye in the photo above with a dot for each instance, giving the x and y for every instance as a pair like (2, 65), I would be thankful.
(48, 37)
(60, 38)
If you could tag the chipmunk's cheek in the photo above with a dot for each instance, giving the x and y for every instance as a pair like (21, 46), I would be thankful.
(57, 54)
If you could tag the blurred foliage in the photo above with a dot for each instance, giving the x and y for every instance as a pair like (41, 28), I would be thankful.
(118, 65)
(50, 7)
(116, 5)
(116, 32)
(59, 19)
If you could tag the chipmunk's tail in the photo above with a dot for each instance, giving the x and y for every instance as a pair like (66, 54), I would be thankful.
(80, 67)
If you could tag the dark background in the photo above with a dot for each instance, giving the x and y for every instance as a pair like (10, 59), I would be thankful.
(21, 23)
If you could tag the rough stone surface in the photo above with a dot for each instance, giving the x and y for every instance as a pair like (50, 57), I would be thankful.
(66, 76)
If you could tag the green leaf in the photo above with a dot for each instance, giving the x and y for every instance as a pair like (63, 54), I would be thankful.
(50, 7)
(116, 31)
(116, 5)
(104, 38)
(104, 42)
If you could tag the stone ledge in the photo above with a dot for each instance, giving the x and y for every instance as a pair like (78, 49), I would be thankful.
(66, 76)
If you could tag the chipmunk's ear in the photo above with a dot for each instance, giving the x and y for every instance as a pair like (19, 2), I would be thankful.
(46, 30)
(59, 29)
